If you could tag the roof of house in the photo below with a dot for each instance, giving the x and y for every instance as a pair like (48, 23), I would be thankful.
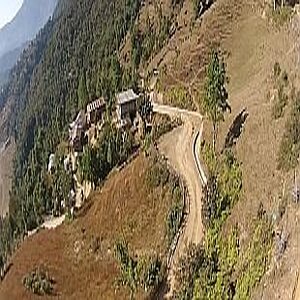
(126, 96)
(95, 105)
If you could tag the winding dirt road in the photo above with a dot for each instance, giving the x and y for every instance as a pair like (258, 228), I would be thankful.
(179, 148)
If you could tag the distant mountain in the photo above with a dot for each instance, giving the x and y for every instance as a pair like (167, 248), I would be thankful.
(8, 60)
(14, 36)
(30, 18)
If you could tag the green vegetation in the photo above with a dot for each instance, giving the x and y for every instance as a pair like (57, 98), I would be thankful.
(61, 183)
(254, 261)
(175, 216)
(215, 102)
(82, 92)
(179, 96)
(281, 82)
(222, 191)
(281, 14)
(209, 157)
(113, 148)
(163, 124)
(207, 272)
(147, 42)
(159, 174)
(62, 68)
(220, 268)
(39, 282)
(289, 149)
(143, 272)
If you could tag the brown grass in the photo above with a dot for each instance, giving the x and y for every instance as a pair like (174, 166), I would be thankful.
(82, 267)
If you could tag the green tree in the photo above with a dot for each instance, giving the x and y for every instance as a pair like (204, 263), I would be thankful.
(82, 92)
(216, 95)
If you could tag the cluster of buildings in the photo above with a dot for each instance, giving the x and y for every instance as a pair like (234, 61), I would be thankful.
(93, 117)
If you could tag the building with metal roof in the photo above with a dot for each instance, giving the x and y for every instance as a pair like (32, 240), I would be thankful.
(127, 104)
(95, 111)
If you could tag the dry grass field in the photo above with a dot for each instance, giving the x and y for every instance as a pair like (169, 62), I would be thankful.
(124, 206)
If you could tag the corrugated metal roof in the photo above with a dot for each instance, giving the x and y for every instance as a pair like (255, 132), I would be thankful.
(126, 96)
(95, 105)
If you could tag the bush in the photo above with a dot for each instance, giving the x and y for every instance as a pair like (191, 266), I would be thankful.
(290, 144)
(137, 272)
(280, 103)
(222, 190)
(180, 97)
(39, 282)
(210, 199)
(187, 270)
(281, 15)
(158, 173)
(163, 124)
(281, 81)
(253, 264)
(175, 215)
(276, 70)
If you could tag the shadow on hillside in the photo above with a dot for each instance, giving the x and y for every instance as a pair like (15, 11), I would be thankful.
(235, 129)
(81, 212)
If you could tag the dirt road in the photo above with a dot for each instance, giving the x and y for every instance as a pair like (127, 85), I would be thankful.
(179, 148)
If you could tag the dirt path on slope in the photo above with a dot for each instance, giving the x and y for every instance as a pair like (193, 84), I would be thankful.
(178, 147)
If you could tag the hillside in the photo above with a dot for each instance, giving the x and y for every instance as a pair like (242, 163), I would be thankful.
(80, 255)
(31, 17)
(15, 36)
(248, 211)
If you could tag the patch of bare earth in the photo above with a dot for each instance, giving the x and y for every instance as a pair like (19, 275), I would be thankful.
(79, 255)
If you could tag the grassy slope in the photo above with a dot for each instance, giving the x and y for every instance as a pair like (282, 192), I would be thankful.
(254, 48)
(124, 205)
(250, 46)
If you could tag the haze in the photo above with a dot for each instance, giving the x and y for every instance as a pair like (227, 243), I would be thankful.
(8, 9)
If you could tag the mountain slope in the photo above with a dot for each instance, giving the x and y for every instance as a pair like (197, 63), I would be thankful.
(81, 40)
(15, 36)
(30, 18)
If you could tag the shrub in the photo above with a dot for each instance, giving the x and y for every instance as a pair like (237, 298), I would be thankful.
(163, 124)
(222, 190)
(290, 144)
(149, 272)
(281, 15)
(280, 103)
(158, 173)
(174, 217)
(210, 199)
(180, 97)
(137, 272)
(255, 260)
(39, 282)
(276, 70)
(187, 270)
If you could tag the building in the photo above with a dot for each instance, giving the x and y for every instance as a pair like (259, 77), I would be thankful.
(126, 105)
(51, 162)
(95, 111)
(76, 131)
